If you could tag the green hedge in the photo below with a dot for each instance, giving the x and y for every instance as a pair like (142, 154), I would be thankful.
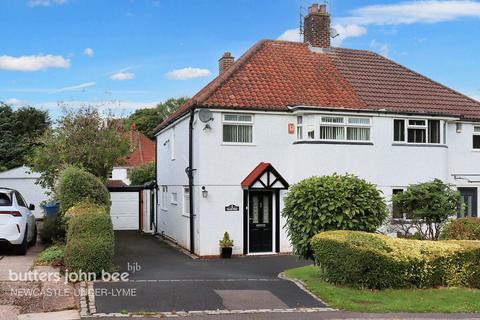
(375, 261)
(76, 185)
(462, 229)
(90, 239)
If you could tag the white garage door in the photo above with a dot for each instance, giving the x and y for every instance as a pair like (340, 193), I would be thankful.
(124, 211)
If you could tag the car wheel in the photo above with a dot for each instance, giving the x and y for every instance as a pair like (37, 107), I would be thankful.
(34, 238)
(22, 248)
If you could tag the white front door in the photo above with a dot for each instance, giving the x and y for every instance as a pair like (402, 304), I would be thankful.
(125, 210)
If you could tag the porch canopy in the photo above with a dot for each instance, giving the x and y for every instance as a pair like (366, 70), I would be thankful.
(264, 176)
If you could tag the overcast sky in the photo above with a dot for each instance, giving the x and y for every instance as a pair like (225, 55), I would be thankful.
(126, 54)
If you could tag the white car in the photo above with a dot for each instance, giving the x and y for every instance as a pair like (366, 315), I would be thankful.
(17, 223)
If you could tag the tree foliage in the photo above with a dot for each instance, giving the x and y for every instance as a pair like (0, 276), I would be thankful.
(428, 205)
(336, 202)
(147, 119)
(83, 138)
(19, 130)
(142, 174)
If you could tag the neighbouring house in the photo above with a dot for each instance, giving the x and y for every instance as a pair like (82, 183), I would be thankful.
(24, 180)
(286, 111)
(142, 152)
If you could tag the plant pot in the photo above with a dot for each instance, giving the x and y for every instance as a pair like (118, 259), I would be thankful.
(226, 253)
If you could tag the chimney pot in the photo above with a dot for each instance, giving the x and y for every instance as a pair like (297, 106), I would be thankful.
(225, 62)
(316, 29)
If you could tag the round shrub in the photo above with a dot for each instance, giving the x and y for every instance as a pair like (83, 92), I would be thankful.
(374, 261)
(90, 239)
(76, 185)
(336, 202)
(462, 229)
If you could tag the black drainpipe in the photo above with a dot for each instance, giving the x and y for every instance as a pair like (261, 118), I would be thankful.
(190, 171)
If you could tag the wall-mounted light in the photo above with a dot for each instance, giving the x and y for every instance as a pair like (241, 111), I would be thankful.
(204, 192)
(459, 128)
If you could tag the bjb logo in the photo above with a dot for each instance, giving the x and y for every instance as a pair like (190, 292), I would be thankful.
(133, 267)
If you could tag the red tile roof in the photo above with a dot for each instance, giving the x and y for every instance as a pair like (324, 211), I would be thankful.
(274, 75)
(143, 150)
(255, 174)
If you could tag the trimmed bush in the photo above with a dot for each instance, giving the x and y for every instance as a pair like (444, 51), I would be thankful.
(90, 239)
(375, 261)
(76, 185)
(336, 202)
(53, 230)
(462, 229)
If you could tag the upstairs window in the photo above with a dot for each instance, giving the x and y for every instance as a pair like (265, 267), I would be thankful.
(237, 128)
(299, 128)
(416, 131)
(345, 128)
(476, 137)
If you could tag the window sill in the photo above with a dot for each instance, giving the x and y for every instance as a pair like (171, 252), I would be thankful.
(238, 144)
(334, 142)
(475, 150)
(428, 145)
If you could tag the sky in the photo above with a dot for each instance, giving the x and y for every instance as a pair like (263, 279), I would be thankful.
(128, 54)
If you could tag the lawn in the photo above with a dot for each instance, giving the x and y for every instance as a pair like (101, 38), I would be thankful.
(447, 300)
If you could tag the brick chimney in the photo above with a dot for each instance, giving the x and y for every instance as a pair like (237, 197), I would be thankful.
(225, 62)
(317, 26)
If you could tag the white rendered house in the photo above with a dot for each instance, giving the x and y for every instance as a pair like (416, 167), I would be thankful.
(286, 111)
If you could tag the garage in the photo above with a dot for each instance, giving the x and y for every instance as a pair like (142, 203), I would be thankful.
(132, 208)
(125, 210)
(25, 181)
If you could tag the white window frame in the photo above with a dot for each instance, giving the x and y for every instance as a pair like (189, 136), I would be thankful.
(345, 124)
(237, 122)
(172, 144)
(174, 198)
(186, 203)
(475, 133)
(407, 125)
(163, 197)
(299, 129)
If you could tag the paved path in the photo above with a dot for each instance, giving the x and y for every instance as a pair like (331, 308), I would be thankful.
(168, 280)
(17, 263)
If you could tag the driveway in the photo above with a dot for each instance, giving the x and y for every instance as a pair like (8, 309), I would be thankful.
(11, 261)
(167, 280)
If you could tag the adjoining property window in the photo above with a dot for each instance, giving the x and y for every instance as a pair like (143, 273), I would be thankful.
(345, 128)
(186, 201)
(237, 128)
(299, 127)
(163, 197)
(476, 137)
(417, 131)
(396, 213)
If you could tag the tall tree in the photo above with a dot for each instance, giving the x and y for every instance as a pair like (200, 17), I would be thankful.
(19, 130)
(147, 119)
(84, 138)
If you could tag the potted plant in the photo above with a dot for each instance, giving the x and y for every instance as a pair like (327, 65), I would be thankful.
(226, 245)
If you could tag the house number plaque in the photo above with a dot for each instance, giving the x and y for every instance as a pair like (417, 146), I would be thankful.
(232, 207)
